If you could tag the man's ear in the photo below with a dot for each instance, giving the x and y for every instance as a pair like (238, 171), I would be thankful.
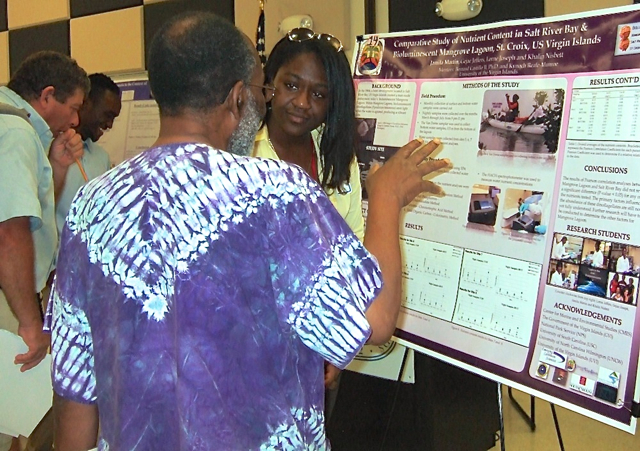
(46, 96)
(44, 101)
(236, 99)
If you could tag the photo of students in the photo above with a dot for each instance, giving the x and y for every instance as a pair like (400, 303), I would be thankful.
(559, 246)
(628, 289)
(623, 288)
(617, 295)
(595, 253)
(526, 121)
(562, 274)
(624, 259)
(557, 276)
(566, 247)
(614, 285)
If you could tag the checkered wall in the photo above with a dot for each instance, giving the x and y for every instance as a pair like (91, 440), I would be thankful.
(102, 35)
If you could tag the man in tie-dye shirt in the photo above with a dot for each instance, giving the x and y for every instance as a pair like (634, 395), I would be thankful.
(199, 291)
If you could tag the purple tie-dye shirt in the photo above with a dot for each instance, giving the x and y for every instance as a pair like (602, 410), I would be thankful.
(197, 295)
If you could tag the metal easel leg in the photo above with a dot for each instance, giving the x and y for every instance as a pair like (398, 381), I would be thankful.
(555, 421)
(529, 419)
(501, 413)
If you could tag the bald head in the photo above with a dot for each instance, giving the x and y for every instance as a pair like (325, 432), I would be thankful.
(194, 61)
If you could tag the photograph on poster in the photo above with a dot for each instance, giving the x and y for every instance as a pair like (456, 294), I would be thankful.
(595, 253)
(625, 259)
(526, 121)
(623, 288)
(592, 281)
(366, 129)
(523, 210)
(563, 274)
(483, 206)
(372, 155)
(566, 247)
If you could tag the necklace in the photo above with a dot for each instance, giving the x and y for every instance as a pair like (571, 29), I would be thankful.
(271, 145)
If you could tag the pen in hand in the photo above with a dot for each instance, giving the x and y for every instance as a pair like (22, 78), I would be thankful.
(84, 174)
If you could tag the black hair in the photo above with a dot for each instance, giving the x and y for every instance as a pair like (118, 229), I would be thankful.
(338, 143)
(48, 68)
(100, 84)
(194, 61)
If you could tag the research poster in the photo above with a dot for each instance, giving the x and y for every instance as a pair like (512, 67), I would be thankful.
(137, 127)
(526, 271)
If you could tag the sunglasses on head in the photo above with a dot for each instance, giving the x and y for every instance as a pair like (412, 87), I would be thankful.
(304, 34)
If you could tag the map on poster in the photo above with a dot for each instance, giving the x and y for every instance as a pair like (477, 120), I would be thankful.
(527, 270)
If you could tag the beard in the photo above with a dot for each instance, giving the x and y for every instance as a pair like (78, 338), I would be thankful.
(242, 139)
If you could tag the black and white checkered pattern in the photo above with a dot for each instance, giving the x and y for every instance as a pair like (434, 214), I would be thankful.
(54, 33)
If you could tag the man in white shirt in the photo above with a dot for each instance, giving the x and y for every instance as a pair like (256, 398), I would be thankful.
(559, 247)
(598, 257)
(556, 277)
(622, 264)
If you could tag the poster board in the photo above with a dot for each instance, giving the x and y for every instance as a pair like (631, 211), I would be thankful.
(510, 274)
(137, 126)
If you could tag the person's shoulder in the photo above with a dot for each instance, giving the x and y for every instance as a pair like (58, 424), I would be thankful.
(262, 147)
(16, 130)
(267, 165)
(9, 122)
(271, 176)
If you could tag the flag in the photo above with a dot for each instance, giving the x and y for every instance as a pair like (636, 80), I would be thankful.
(260, 47)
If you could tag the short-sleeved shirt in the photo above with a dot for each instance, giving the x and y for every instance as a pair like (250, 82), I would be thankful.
(196, 297)
(26, 180)
(348, 202)
(95, 162)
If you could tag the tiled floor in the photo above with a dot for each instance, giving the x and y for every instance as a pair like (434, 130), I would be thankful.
(579, 433)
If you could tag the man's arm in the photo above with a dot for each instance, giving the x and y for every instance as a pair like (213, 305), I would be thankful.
(17, 282)
(391, 188)
(75, 425)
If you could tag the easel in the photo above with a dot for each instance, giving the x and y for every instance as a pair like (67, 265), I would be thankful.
(530, 419)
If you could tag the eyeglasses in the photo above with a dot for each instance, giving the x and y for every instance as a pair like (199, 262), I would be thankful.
(267, 91)
(304, 34)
